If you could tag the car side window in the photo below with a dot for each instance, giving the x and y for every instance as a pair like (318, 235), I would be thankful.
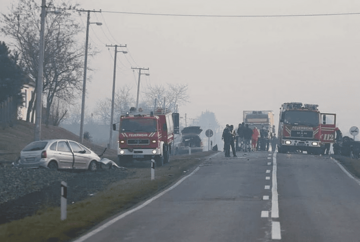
(53, 146)
(62, 146)
(75, 147)
(86, 149)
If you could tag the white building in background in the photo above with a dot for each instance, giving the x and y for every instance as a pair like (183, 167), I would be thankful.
(27, 91)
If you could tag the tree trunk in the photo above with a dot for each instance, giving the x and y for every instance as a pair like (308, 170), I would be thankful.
(31, 108)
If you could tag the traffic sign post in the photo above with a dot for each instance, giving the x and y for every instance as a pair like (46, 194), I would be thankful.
(209, 133)
(354, 131)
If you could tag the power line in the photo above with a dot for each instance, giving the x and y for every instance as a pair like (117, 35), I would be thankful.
(108, 28)
(103, 30)
(234, 16)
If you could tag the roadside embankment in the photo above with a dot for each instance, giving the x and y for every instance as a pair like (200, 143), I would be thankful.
(108, 197)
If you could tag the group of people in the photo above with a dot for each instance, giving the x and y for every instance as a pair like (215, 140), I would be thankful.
(252, 139)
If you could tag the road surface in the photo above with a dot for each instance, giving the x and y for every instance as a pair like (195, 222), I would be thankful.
(258, 196)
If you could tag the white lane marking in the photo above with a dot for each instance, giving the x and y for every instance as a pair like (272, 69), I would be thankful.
(269, 154)
(269, 163)
(346, 172)
(267, 171)
(267, 187)
(274, 192)
(275, 230)
(267, 178)
(269, 158)
(264, 214)
(265, 197)
(109, 223)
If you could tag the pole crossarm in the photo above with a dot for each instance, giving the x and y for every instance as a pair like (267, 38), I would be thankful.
(116, 45)
(88, 11)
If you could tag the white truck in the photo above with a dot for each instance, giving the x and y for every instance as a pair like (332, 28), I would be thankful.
(262, 120)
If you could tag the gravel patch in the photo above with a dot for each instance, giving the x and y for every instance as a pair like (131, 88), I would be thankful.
(25, 191)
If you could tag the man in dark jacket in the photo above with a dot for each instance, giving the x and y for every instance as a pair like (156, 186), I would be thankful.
(240, 132)
(247, 136)
(227, 139)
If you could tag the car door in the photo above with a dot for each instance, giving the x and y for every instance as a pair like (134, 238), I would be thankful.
(65, 156)
(328, 126)
(81, 157)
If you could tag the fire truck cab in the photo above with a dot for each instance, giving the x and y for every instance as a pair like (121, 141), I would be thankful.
(146, 135)
(304, 128)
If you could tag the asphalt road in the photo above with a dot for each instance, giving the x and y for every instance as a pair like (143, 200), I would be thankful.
(258, 196)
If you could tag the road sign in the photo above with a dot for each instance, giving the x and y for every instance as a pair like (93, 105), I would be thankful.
(209, 133)
(354, 130)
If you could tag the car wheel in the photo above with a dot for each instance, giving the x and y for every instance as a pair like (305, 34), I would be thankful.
(53, 165)
(93, 166)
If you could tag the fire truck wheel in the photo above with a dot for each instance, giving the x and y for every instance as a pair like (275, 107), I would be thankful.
(159, 159)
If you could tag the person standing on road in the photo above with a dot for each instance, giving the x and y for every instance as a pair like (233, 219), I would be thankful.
(232, 140)
(254, 138)
(240, 132)
(247, 136)
(273, 142)
(227, 139)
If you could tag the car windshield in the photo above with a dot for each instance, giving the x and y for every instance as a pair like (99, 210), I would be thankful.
(138, 125)
(38, 145)
(301, 118)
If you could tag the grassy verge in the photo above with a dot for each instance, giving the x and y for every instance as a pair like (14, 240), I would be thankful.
(352, 165)
(47, 226)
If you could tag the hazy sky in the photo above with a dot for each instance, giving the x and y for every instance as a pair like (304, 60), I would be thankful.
(233, 64)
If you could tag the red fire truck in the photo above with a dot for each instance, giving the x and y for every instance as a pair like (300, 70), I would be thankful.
(146, 135)
(304, 128)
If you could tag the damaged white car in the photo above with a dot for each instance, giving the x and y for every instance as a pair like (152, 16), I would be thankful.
(61, 154)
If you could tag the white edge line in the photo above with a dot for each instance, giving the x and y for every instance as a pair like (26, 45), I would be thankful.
(275, 230)
(346, 172)
(95, 231)
(274, 192)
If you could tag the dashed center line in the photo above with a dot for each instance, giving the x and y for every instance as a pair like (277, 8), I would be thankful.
(267, 171)
(265, 197)
(269, 163)
(264, 214)
(267, 187)
(267, 178)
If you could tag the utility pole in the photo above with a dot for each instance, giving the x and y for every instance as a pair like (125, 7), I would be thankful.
(113, 89)
(39, 84)
(138, 89)
(85, 68)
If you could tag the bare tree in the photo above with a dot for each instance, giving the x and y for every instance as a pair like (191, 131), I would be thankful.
(63, 57)
(58, 112)
(123, 101)
(174, 94)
